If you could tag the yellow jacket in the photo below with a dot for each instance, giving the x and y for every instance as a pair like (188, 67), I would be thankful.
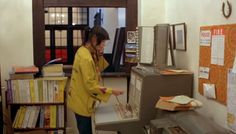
(84, 87)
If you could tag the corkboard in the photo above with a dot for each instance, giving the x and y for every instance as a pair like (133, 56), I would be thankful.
(218, 73)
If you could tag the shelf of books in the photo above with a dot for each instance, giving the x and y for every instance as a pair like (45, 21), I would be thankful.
(131, 53)
(37, 104)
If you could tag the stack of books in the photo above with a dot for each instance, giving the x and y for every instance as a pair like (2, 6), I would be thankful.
(23, 72)
(41, 90)
(53, 70)
(39, 117)
(131, 53)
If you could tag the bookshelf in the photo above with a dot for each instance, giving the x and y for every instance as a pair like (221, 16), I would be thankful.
(37, 104)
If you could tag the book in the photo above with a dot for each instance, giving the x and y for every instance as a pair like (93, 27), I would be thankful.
(40, 90)
(52, 68)
(25, 69)
(53, 116)
(32, 91)
(36, 115)
(14, 76)
(21, 118)
(16, 120)
(41, 117)
(31, 117)
(46, 116)
(60, 116)
(36, 91)
(9, 92)
(26, 117)
(54, 74)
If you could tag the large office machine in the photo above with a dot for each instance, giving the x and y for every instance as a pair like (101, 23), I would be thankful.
(185, 122)
(146, 86)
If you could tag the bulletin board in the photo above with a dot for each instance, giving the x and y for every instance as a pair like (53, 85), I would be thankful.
(218, 73)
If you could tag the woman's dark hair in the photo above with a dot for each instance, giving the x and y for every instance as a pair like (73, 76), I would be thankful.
(98, 31)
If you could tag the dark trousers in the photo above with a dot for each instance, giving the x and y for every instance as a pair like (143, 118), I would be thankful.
(84, 124)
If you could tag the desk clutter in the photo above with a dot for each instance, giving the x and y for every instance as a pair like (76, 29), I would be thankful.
(177, 103)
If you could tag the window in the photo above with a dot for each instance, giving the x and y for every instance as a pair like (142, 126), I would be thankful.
(79, 16)
(43, 24)
(56, 16)
(64, 32)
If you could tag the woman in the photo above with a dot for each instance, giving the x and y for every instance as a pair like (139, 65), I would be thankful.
(84, 88)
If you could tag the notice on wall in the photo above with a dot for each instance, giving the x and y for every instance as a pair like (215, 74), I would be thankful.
(231, 104)
(205, 38)
(218, 47)
(204, 72)
(146, 44)
(209, 90)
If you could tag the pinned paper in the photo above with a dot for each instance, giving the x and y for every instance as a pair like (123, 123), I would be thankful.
(205, 38)
(204, 72)
(218, 47)
(209, 90)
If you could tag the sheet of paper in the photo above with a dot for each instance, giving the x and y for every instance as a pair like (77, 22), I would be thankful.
(217, 48)
(205, 38)
(204, 72)
(231, 103)
(146, 44)
(234, 66)
(209, 90)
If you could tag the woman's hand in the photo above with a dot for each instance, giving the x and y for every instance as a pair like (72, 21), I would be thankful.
(117, 92)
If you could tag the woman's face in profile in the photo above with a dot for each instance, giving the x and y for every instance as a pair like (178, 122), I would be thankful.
(100, 47)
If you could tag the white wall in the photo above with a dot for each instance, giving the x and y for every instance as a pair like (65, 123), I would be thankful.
(16, 37)
(194, 13)
(151, 12)
(197, 13)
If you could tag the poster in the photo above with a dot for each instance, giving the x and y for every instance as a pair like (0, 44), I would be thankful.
(204, 72)
(205, 37)
(218, 47)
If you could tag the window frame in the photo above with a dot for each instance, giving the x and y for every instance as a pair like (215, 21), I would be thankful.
(39, 27)
(69, 28)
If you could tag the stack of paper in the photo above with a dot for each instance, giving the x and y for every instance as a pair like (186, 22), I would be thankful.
(177, 103)
(174, 72)
(53, 70)
(24, 69)
(23, 72)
